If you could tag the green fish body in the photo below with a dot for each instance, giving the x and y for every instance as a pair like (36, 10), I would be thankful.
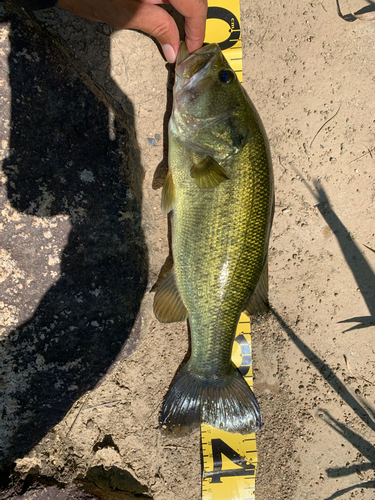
(220, 189)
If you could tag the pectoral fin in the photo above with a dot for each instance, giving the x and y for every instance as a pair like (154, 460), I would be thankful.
(168, 305)
(208, 173)
(168, 195)
(258, 303)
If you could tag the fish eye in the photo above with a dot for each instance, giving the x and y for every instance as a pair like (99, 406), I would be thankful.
(226, 76)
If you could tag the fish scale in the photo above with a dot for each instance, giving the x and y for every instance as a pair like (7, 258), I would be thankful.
(220, 188)
(223, 217)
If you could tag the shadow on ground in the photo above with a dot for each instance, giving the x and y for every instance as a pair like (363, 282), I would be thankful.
(350, 18)
(365, 279)
(358, 264)
(362, 410)
(64, 161)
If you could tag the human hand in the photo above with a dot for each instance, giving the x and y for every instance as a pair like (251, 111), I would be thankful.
(147, 16)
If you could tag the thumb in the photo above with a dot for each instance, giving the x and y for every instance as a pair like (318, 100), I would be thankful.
(158, 23)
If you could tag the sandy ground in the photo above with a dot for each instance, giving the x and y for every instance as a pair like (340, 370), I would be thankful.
(310, 73)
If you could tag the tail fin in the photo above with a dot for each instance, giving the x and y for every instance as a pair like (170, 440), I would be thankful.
(228, 404)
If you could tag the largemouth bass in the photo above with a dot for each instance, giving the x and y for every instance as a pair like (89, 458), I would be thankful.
(220, 188)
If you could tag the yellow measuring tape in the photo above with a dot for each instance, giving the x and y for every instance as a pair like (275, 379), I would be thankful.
(229, 460)
(223, 27)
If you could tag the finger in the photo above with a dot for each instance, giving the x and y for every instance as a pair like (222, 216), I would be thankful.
(195, 14)
(134, 14)
(156, 2)
(158, 23)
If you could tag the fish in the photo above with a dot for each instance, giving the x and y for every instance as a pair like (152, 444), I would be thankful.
(220, 190)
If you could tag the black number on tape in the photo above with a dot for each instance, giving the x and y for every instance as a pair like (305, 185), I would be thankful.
(219, 448)
(245, 366)
(231, 20)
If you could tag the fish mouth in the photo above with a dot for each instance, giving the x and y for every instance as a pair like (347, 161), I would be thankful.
(193, 73)
(188, 65)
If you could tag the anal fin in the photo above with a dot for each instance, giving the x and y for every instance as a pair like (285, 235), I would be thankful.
(168, 305)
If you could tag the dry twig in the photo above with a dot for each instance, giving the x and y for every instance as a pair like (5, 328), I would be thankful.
(324, 124)
(369, 152)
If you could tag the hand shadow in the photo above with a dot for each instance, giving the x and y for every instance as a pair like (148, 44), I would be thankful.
(62, 162)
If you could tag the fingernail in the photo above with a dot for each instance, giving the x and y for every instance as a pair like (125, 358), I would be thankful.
(169, 53)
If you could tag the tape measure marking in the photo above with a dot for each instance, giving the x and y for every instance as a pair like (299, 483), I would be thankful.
(229, 460)
(223, 27)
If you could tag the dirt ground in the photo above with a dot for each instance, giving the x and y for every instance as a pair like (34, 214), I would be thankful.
(309, 68)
